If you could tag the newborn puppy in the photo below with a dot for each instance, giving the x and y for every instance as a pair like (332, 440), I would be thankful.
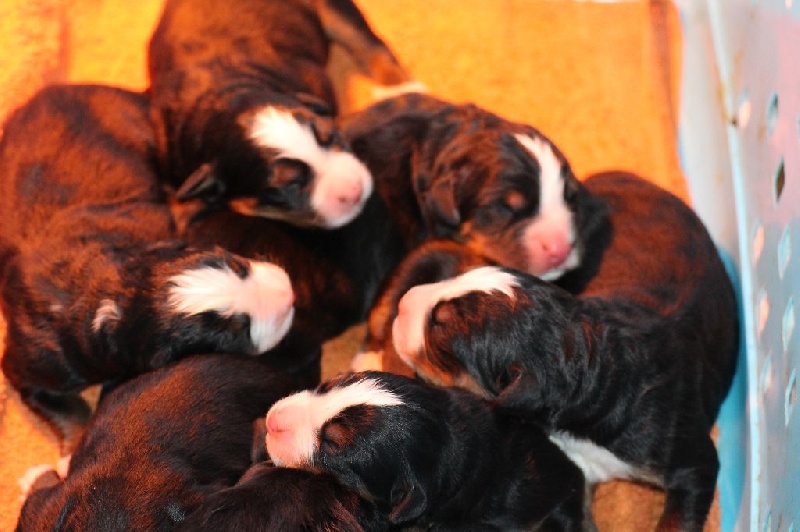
(243, 105)
(500, 189)
(627, 376)
(277, 498)
(158, 446)
(429, 457)
(93, 286)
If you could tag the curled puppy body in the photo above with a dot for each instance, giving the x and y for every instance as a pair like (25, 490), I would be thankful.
(628, 376)
(278, 498)
(94, 288)
(243, 105)
(499, 188)
(158, 446)
(429, 457)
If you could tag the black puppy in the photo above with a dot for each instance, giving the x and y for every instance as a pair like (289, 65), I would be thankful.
(628, 376)
(243, 105)
(434, 458)
(157, 447)
(278, 498)
(94, 289)
(499, 188)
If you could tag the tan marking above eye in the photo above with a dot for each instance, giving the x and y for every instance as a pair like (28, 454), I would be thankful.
(335, 436)
(515, 200)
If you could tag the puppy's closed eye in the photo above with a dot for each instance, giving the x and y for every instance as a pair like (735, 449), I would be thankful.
(334, 436)
(443, 313)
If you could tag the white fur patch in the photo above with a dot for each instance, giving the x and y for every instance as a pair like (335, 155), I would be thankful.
(597, 463)
(28, 479)
(265, 295)
(108, 311)
(414, 308)
(302, 415)
(341, 184)
(384, 92)
(554, 215)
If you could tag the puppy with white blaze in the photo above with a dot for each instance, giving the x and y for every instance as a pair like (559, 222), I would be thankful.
(244, 108)
(499, 188)
(627, 374)
(94, 287)
(430, 458)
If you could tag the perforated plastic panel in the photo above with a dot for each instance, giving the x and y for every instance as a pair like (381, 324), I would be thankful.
(740, 139)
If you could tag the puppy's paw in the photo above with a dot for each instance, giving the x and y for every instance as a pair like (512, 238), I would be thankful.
(384, 92)
(35, 478)
(231, 286)
(367, 361)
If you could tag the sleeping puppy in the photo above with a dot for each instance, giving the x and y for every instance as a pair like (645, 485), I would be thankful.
(499, 188)
(243, 105)
(158, 446)
(279, 498)
(94, 288)
(629, 375)
(335, 273)
(429, 457)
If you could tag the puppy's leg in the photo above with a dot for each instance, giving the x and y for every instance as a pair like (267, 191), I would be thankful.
(346, 25)
(690, 486)
(37, 477)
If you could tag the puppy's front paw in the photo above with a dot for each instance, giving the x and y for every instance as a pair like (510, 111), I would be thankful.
(35, 478)
(384, 92)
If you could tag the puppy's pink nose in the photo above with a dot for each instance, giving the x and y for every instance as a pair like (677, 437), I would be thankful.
(277, 422)
(556, 250)
(349, 193)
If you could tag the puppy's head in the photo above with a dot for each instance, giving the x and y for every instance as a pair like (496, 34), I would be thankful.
(442, 331)
(380, 434)
(298, 169)
(503, 189)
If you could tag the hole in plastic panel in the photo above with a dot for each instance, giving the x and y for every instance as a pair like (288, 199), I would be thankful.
(790, 397)
(765, 379)
(784, 251)
(772, 113)
(758, 242)
(743, 110)
(780, 181)
(788, 323)
(763, 311)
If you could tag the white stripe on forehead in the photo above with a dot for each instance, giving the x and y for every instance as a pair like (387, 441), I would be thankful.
(551, 182)
(278, 129)
(363, 392)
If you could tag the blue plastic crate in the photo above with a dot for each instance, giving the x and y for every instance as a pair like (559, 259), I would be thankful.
(740, 145)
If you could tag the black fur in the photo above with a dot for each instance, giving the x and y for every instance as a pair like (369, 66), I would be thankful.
(445, 459)
(273, 498)
(213, 64)
(85, 228)
(158, 446)
(638, 363)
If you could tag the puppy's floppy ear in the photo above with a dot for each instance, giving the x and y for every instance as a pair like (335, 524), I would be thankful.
(408, 501)
(435, 198)
(203, 182)
(519, 389)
